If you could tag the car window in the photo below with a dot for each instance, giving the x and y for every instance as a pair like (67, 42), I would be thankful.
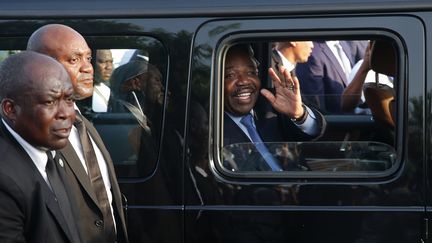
(358, 107)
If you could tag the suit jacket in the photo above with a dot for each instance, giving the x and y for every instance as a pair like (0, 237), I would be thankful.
(272, 128)
(88, 208)
(276, 62)
(29, 211)
(322, 79)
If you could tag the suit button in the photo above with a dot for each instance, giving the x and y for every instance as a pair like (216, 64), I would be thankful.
(98, 223)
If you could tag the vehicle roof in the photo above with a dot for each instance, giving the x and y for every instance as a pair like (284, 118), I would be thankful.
(197, 8)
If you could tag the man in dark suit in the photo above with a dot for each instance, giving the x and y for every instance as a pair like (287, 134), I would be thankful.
(99, 201)
(289, 121)
(288, 54)
(37, 112)
(325, 75)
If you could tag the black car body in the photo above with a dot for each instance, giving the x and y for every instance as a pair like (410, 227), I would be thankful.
(176, 185)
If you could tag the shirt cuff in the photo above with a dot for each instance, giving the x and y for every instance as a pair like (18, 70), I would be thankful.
(309, 125)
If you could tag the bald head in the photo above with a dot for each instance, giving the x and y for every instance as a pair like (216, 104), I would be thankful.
(36, 99)
(27, 71)
(69, 48)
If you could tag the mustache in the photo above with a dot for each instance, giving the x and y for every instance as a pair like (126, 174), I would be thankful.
(245, 88)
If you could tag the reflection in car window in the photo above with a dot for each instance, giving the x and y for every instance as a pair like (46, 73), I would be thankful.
(306, 156)
(130, 89)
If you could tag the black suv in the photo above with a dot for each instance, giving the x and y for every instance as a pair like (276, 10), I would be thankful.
(367, 179)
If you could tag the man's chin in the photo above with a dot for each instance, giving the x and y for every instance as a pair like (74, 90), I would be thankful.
(83, 93)
(59, 144)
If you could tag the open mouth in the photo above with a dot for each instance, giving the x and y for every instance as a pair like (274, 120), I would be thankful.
(244, 94)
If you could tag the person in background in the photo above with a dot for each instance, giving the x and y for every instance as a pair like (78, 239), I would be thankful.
(103, 68)
(37, 112)
(352, 97)
(325, 75)
(90, 169)
(289, 53)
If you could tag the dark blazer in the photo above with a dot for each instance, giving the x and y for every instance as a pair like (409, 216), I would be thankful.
(28, 209)
(322, 79)
(272, 128)
(88, 208)
(276, 62)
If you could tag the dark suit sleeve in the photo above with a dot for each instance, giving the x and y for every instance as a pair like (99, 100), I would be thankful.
(11, 212)
(311, 75)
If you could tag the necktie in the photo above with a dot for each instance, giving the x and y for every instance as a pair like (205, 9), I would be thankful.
(346, 64)
(96, 179)
(59, 187)
(247, 121)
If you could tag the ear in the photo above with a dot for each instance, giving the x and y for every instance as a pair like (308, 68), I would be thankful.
(9, 109)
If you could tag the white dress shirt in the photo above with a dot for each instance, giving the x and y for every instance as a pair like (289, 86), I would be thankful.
(38, 156)
(285, 62)
(331, 45)
(101, 95)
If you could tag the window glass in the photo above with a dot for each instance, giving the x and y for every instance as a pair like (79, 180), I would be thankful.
(127, 103)
(347, 121)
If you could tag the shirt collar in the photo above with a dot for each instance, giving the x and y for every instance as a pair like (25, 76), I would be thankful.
(38, 156)
(237, 119)
(285, 62)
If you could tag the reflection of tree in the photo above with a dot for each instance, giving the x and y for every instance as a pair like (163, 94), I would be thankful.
(201, 68)
(415, 121)
(223, 28)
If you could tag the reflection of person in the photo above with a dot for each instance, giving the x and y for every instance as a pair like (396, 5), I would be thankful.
(37, 114)
(361, 73)
(241, 91)
(137, 87)
(325, 75)
(99, 202)
(103, 68)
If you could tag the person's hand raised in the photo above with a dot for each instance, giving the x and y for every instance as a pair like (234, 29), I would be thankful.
(287, 99)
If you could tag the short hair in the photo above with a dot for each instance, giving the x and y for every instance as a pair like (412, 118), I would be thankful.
(14, 74)
(17, 72)
(245, 48)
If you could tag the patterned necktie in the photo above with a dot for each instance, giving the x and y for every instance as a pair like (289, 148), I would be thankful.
(247, 121)
(59, 186)
(96, 179)
(346, 64)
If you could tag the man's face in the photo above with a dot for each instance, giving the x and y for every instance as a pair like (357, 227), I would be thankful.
(154, 90)
(302, 50)
(241, 83)
(45, 115)
(104, 64)
(71, 50)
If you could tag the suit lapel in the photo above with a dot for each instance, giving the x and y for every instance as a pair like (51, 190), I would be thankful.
(277, 62)
(334, 62)
(75, 165)
(232, 133)
(53, 206)
(115, 189)
(348, 51)
(50, 201)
